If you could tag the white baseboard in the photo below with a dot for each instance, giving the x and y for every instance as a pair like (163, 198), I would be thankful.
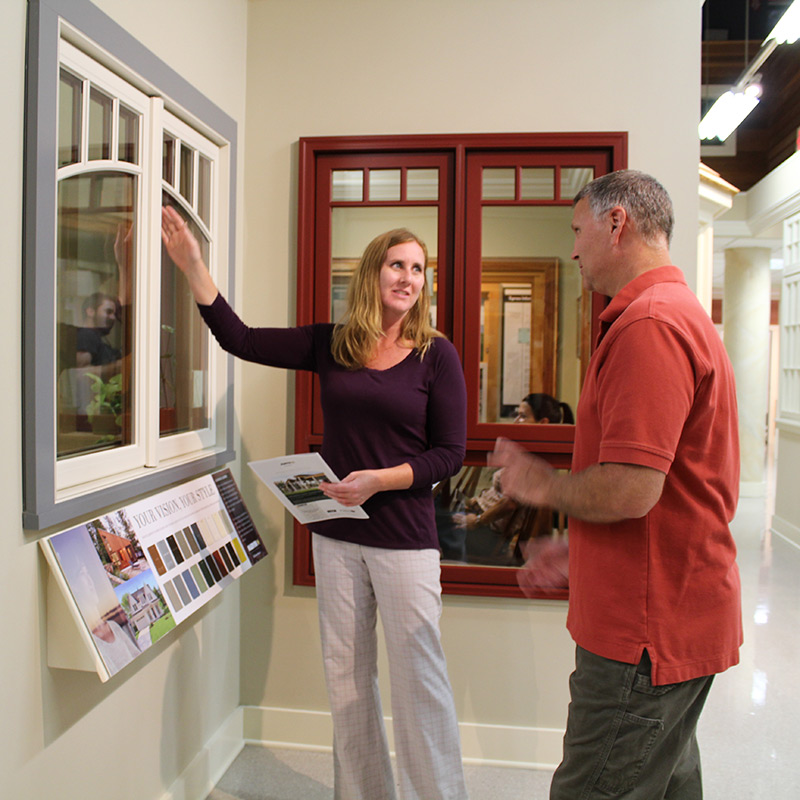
(752, 489)
(493, 745)
(496, 745)
(786, 529)
(209, 765)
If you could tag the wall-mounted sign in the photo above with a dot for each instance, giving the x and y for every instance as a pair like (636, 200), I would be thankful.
(131, 575)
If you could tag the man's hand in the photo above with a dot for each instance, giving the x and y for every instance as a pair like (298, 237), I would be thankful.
(526, 478)
(546, 566)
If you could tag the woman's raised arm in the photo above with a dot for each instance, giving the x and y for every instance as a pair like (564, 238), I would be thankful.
(184, 250)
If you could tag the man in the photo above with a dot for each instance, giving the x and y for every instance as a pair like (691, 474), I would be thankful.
(655, 606)
(100, 314)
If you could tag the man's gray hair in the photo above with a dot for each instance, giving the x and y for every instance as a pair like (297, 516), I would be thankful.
(644, 199)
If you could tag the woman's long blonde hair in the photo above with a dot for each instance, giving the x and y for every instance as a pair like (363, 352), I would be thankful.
(355, 337)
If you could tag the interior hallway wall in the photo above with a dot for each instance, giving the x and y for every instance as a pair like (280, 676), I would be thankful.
(65, 734)
(319, 68)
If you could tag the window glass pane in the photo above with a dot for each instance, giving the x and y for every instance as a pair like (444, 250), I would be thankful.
(187, 171)
(100, 110)
(384, 184)
(168, 160)
(478, 524)
(204, 190)
(533, 314)
(422, 184)
(348, 185)
(537, 183)
(94, 312)
(573, 179)
(69, 119)
(183, 367)
(352, 229)
(128, 135)
(498, 183)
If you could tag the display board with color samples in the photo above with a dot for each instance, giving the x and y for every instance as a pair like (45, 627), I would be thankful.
(131, 575)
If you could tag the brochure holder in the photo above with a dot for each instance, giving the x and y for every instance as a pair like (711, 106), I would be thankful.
(121, 581)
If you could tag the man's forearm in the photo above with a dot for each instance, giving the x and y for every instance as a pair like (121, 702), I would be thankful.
(606, 492)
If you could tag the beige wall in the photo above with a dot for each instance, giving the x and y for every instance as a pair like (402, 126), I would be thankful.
(318, 68)
(65, 734)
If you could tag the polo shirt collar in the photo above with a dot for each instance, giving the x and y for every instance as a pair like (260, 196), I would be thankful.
(629, 292)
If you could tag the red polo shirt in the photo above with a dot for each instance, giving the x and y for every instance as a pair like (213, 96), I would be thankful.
(659, 392)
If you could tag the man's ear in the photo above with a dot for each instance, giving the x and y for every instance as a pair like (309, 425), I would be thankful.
(618, 217)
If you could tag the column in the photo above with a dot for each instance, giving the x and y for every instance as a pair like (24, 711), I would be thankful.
(745, 324)
(716, 197)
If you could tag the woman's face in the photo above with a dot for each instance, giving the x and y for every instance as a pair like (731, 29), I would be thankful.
(524, 414)
(401, 278)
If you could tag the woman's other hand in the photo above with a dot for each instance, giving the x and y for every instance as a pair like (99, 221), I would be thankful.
(355, 489)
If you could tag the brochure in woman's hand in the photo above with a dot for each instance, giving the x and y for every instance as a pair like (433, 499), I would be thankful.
(295, 481)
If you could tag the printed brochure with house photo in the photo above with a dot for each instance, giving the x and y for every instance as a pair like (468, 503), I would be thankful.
(295, 480)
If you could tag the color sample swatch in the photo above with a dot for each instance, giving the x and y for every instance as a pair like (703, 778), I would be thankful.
(191, 542)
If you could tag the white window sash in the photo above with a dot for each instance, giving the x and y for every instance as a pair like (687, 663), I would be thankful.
(80, 474)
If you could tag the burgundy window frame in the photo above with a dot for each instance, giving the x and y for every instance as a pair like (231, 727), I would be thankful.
(459, 228)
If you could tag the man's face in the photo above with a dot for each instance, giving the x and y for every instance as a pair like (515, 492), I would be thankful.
(592, 245)
(104, 316)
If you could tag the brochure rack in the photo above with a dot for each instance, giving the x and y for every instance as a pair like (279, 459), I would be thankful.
(127, 577)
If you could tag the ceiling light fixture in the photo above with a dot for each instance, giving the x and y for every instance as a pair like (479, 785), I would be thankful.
(787, 31)
(730, 110)
(725, 116)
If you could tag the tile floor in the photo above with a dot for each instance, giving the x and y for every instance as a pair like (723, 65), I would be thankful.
(748, 732)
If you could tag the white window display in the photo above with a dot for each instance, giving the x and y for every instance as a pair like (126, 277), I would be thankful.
(124, 389)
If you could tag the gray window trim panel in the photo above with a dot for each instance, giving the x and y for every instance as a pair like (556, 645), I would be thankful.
(40, 509)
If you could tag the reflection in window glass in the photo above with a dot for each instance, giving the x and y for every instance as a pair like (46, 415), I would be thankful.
(168, 162)
(422, 184)
(69, 118)
(532, 312)
(498, 183)
(183, 366)
(94, 313)
(573, 179)
(187, 171)
(114, 193)
(478, 524)
(353, 228)
(128, 135)
(100, 116)
(537, 183)
(204, 190)
(384, 184)
(348, 185)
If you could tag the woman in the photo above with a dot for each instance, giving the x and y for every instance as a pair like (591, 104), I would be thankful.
(543, 409)
(394, 400)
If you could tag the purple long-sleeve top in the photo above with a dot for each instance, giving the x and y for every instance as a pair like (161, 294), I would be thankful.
(412, 413)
